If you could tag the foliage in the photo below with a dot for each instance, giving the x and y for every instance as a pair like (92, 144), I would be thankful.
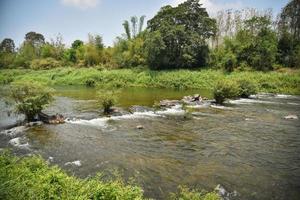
(285, 80)
(30, 97)
(247, 87)
(46, 63)
(31, 178)
(181, 32)
(7, 59)
(225, 89)
(187, 194)
(129, 53)
(7, 45)
(107, 99)
(90, 83)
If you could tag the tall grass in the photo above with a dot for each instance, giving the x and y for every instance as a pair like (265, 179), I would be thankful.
(275, 82)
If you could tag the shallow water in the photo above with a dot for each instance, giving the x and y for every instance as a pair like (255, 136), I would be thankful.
(247, 146)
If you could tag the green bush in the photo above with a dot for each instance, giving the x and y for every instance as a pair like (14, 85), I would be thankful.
(90, 83)
(46, 63)
(30, 97)
(107, 99)
(225, 89)
(247, 88)
(229, 62)
(31, 178)
(187, 194)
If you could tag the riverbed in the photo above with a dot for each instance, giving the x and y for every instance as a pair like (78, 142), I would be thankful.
(246, 146)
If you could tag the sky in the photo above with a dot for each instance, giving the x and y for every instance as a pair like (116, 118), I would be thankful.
(74, 19)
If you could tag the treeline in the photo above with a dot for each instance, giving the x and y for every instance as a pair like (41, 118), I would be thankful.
(176, 37)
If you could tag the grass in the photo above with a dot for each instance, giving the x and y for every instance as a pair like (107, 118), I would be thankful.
(32, 178)
(284, 81)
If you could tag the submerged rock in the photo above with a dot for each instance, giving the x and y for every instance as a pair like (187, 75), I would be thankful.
(168, 103)
(139, 127)
(134, 109)
(116, 111)
(18, 142)
(291, 117)
(14, 131)
(38, 123)
(51, 119)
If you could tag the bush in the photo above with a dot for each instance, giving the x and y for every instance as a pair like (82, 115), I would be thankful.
(187, 194)
(30, 97)
(225, 89)
(107, 99)
(31, 178)
(90, 83)
(247, 88)
(46, 63)
(229, 62)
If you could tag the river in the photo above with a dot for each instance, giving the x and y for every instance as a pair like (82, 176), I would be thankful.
(246, 146)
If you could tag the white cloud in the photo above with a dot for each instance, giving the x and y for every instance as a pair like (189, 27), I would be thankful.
(213, 6)
(81, 4)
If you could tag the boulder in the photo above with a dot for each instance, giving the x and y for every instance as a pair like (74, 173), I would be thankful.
(51, 119)
(168, 103)
(139, 127)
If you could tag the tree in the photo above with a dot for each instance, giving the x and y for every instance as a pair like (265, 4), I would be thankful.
(136, 27)
(35, 39)
(7, 45)
(289, 34)
(76, 44)
(7, 52)
(182, 33)
(30, 98)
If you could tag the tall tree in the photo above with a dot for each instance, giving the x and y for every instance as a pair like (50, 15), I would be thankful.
(7, 45)
(136, 27)
(35, 39)
(290, 18)
(182, 33)
(127, 29)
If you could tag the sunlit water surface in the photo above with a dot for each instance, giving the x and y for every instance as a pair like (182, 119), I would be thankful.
(247, 146)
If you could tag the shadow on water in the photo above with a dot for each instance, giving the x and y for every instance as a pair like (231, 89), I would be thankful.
(246, 146)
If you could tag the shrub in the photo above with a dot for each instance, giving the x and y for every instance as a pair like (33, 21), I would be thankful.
(187, 194)
(46, 63)
(31, 178)
(225, 89)
(90, 83)
(107, 99)
(30, 97)
(246, 88)
(229, 62)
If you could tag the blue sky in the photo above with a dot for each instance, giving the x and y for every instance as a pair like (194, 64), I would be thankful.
(74, 19)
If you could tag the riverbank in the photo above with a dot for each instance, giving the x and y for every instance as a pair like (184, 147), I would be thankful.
(32, 178)
(286, 81)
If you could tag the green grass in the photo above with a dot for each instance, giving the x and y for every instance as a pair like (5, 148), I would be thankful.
(31, 178)
(286, 81)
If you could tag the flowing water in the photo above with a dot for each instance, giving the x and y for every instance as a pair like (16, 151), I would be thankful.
(245, 146)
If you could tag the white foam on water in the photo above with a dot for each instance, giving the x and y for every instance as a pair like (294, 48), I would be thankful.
(74, 163)
(102, 122)
(250, 101)
(283, 96)
(17, 143)
(221, 107)
(175, 110)
(205, 105)
(93, 122)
